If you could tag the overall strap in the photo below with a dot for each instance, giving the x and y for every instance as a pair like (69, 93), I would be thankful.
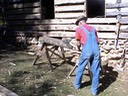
(86, 31)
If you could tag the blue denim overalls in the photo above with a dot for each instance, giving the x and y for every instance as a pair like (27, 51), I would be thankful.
(90, 52)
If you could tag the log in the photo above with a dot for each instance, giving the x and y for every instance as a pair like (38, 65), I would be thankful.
(124, 21)
(6, 92)
(63, 21)
(117, 5)
(68, 15)
(123, 35)
(60, 27)
(106, 35)
(61, 2)
(116, 13)
(23, 17)
(24, 5)
(69, 8)
(66, 34)
(42, 33)
(54, 41)
(23, 11)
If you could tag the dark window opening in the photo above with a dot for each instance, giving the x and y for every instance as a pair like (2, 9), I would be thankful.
(47, 9)
(95, 8)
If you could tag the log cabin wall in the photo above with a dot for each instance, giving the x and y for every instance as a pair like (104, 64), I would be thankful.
(28, 19)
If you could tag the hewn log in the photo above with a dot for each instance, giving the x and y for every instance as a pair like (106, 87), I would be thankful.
(117, 5)
(124, 21)
(60, 2)
(124, 27)
(67, 34)
(63, 21)
(20, 17)
(123, 35)
(61, 27)
(54, 41)
(69, 8)
(101, 20)
(23, 11)
(42, 33)
(24, 5)
(116, 13)
(106, 35)
(68, 15)
(6, 92)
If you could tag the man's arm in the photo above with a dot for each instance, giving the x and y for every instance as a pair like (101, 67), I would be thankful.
(78, 45)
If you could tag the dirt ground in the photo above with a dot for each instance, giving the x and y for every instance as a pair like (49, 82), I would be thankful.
(19, 75)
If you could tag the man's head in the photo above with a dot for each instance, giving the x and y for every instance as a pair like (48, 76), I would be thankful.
(81, 18)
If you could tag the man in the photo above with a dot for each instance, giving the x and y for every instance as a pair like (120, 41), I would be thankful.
(87, 37)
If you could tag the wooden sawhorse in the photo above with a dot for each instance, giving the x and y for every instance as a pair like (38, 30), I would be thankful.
(44, 49)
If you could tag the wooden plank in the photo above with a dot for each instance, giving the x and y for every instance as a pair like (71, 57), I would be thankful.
(61, 34)
(19, 17)
(112, 35)
(23, 11)
(54, 41)
(116, 13)
(22, 5)
(62, 27)
(124, 21)
(69, 8)
(63, 21)
(111, 10)
(60, 2)
(68, 15)
(43, 22)
(106, 35)
(123, 35)
(116, 5)
(104, 27)
(124, 27)
(102, 20)
(111, 1)
(49, 33)
(101, 35)
(6, 92)
(124, 30)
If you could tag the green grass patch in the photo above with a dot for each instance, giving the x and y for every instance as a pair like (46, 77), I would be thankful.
(19, 75)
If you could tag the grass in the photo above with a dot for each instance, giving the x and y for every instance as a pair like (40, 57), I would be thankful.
(19, 75)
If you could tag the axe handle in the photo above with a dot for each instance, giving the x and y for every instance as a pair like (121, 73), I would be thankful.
(72, 70)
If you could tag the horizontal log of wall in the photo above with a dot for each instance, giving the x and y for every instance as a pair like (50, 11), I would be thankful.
(68, 15)
(123, 35)
(62, 27)
(102, 35)
(42, 33)
(117, 5)
(123, 20)
(61, 2)
(69, 8)
(116, 13)
(124, 30)
(124, 27)
(23, 5)
(23, 17)
(24, 11)
(63, 21)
